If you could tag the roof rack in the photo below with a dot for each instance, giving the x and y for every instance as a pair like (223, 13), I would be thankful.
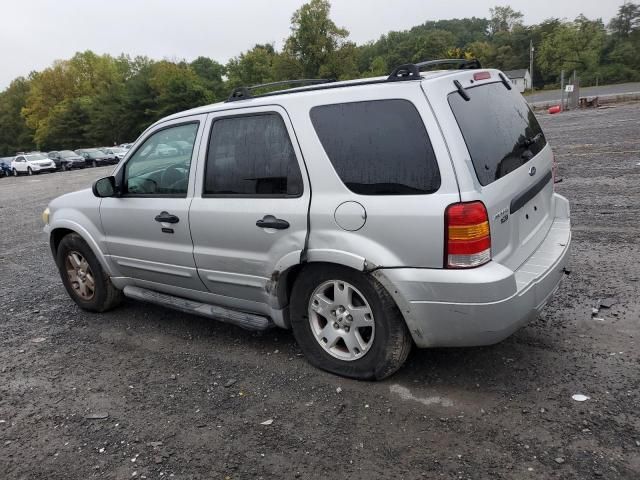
(242, 93)
(411, 71)
(407, 71)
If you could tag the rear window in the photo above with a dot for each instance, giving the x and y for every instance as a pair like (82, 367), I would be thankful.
(499, 128)
(379, 147)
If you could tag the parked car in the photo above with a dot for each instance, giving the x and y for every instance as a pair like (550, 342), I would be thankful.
(433, 219)
(5, 166)
(30, 163)
(164, 150)
(111, 157)
(67, 159)
(126, 146)
(116, 152)
(94, 157)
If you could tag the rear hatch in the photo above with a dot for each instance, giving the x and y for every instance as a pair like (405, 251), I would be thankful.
(501, 158)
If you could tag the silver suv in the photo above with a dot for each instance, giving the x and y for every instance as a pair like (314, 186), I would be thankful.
(367, 216)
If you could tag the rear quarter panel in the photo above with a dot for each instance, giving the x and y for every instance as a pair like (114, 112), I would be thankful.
(400, 230)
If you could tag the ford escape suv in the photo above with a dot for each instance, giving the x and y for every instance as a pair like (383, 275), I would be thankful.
(367, 216)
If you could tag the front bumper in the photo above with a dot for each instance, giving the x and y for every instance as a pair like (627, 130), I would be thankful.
(484, 305)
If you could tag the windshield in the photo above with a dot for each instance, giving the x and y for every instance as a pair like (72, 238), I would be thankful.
(67, 153)
(499, 128)
(36, 156)
(117, 150)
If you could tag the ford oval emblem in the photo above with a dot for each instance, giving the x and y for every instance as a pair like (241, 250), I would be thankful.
(532, 171)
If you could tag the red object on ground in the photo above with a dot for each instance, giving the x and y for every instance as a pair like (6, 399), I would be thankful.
(554, 109)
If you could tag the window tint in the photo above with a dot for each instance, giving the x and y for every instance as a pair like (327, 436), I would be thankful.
(251, 155)
(378, 147)
(499, 128)
(158, 169)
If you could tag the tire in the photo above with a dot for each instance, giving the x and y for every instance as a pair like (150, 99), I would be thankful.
(389, 340)
(105, 296)
(63, 167)
(15, 172)
(94, 164)
(29, 171)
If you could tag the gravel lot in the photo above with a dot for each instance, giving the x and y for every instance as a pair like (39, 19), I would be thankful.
(185, 396)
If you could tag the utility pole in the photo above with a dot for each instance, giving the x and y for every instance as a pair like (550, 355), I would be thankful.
(562, 90)
(531, 63)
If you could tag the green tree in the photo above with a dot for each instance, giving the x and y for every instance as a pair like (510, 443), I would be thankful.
(315, 39)
(504, 19)
(15, 135)
(573, 45)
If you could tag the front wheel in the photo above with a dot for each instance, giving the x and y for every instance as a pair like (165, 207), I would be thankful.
(15, 172)
(29, 171)
(83, 277)
(94, 164)
(347, 323)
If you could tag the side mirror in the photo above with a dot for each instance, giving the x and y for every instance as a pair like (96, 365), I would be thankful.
(104, 187)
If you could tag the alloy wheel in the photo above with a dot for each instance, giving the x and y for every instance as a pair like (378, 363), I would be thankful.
(80, 275)
(341, 320)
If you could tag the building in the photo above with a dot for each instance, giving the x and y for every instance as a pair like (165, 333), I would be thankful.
(520, 78)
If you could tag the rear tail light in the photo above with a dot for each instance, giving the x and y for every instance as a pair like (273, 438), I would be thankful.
(467, 235)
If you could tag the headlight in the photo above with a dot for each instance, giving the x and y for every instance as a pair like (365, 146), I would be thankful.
(45, 216)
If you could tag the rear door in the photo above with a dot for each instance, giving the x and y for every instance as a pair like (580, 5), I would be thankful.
(501, 158)
(249, 215)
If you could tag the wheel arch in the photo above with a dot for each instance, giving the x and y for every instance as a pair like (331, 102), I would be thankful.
(60, 231)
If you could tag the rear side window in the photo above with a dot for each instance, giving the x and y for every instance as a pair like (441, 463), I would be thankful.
(499, 128)
(379, 147)
(252, 155)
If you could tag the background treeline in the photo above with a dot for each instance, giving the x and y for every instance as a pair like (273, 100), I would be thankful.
(95, 99)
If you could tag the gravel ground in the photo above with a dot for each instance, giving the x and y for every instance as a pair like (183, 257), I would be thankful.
(185, 397)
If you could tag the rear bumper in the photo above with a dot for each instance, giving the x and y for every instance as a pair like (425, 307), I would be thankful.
(481, 306)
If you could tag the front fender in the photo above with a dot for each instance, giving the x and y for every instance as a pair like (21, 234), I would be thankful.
(86, 229)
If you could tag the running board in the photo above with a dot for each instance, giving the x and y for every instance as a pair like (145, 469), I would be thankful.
(248, 321)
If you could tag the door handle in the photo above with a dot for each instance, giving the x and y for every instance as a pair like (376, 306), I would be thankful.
(269, 221)
(166, 217)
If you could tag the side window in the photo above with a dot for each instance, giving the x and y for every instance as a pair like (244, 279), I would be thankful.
(157, 168)
(251, 155)
(378, 147)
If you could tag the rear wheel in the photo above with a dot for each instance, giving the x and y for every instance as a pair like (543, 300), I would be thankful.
(347, 323)
(83, 277)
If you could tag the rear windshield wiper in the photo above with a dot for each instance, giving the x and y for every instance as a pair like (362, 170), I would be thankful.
(528, 141)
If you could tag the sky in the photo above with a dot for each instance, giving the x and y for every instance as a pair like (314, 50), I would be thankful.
(34, 33)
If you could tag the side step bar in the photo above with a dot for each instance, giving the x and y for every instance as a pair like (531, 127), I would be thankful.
(248, 321)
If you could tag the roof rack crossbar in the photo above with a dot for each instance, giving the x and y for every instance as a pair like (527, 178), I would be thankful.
(241, 93)
(411, 71)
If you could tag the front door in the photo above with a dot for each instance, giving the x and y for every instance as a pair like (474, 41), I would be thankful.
(147, 227)
(249, 213)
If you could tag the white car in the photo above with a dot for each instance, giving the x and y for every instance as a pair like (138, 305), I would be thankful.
(118, 152)
(31, 163)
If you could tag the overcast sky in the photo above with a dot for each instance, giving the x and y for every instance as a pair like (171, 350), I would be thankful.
(34, 33)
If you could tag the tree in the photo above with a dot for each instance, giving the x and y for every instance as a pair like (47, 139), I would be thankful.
(315, 39)
(627, 21)
(252, 67)
(211, 75)
(504, 19)
(573, 45)
(15, 135)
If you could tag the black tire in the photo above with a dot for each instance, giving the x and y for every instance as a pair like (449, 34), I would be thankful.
(63, 167)
(106, 296)
(392, 341)
(29, 171)
(15, 172)
(94, 164)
